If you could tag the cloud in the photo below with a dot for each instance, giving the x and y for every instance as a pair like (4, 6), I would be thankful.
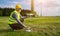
(28, 2)
(8, 6)
(25, 4)
(21, 2)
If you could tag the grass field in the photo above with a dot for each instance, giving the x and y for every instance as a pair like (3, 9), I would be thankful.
(40, 26)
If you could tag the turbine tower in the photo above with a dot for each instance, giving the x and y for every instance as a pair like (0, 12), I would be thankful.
(32, 8)
(41, 6)
(32, 5)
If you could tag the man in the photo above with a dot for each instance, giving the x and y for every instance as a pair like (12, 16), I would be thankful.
(14, 19)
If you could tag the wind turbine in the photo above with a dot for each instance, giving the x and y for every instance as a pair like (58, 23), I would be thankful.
(41, 5)
(32, 5)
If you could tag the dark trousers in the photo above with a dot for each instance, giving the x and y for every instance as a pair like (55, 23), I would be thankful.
(17, 26)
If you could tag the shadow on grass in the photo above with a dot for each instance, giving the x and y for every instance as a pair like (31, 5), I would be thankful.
(6, 30)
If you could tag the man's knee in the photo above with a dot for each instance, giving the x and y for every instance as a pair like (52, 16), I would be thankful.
(16, 26)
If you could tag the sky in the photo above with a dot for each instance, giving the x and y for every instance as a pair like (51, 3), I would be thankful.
(47, 7)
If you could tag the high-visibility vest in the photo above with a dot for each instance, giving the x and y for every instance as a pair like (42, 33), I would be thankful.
(13, 20)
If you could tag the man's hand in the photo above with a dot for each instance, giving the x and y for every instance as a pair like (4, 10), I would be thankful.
(27, 27)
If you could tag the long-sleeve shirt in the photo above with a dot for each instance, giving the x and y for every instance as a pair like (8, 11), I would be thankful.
(16, 17)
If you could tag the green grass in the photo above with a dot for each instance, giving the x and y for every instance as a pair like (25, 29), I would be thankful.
(40, 26)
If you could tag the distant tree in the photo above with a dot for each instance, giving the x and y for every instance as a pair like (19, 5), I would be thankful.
(24, 12)
(1, 11)
(7, 11)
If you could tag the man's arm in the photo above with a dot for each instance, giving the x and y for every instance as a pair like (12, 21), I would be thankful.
(19, 22)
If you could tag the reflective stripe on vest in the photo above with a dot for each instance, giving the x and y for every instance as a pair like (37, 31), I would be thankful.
(11, 19)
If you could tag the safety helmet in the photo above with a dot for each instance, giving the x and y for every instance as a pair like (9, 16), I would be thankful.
(18, 6)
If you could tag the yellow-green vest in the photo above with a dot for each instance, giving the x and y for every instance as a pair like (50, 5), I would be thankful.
(13, 20)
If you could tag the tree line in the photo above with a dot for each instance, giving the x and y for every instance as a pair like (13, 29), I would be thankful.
(7, 11)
